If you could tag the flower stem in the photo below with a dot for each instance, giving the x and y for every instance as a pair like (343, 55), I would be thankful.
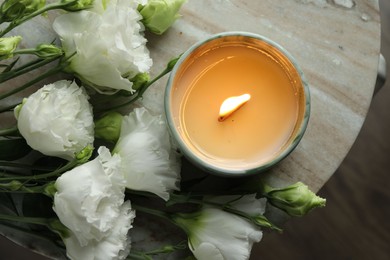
(140, 92)
(37, 221)
(25, 68)
(18, 187)
(55, 173)
(32, 82)
(9, 131)
(18, 22)
(154, 212)
(258, 220)
(52, 223)
(8, 108)
(163, 250)
(24, 166)
(142, 89)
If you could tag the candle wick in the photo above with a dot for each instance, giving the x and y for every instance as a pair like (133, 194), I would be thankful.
(231, 105)
(221, 118)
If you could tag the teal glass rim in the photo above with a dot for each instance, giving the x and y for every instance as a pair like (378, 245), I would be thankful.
(295, 138)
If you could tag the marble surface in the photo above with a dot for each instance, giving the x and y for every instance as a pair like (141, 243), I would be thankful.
(335, 42)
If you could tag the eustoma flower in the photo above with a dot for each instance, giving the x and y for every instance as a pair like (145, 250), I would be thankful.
(148, 160)
(214, 234)
(57, 119)
(108, 44)
(90, 202)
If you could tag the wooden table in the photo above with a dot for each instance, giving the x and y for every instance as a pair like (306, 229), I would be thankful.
(336, 43)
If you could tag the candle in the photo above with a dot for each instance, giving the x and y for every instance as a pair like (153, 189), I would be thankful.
(263, 125)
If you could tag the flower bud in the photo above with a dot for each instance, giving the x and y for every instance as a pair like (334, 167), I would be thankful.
(109, 126)
(47, 51)
(296, 200)
(16, 9)
(159, 15)
(14, 185)
(50, 189)
(140, 80)
(84, 155)
(172, 63)
(56, 226)
(77, 5)
(8, 46)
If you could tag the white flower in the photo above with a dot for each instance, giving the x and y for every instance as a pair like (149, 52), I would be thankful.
(90, 202)
(109, 45)
(148, 161)
(57, 120)
(214, 234)
(114, 246)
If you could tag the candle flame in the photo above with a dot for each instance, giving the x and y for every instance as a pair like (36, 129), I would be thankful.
(231, 105)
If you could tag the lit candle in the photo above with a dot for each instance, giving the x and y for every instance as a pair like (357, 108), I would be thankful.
(232, 104)
(252, 135)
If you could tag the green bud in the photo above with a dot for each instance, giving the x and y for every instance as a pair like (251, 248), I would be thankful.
(8, 46)
(50, 189)
(47, 51)
(84, 155)
(262, 221)
(56, 226)
(159, 15)
(108, 127)
(296, 200)
(140, 80)
(172, 63)
(18, 108)
(11, 10)
(14, 185)
(76, 5)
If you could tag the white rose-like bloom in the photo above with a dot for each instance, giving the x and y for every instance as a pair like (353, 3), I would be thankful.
(90, 202)
(57, 120)
(214, 234)
(148, 161)
(108, 42)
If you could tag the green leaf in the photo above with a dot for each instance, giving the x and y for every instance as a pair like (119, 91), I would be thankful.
(13, 149)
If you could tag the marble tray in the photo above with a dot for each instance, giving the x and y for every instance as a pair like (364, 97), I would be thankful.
(336, 43)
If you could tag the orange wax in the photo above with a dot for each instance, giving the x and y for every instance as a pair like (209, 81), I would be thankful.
(258, 131)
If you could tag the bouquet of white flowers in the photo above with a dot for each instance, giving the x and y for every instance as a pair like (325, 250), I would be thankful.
(53, 185)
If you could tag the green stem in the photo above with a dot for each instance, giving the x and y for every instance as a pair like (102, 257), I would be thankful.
(9, 131)
(137, 256)
(258, 220)
(154, 212)
(32, 82)
(9, 108)
(28, 220)
(55, 173)
(25, 68)
(163, 250)
(140, 92)
(24, 166)
(17, 187)
(18, 22)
